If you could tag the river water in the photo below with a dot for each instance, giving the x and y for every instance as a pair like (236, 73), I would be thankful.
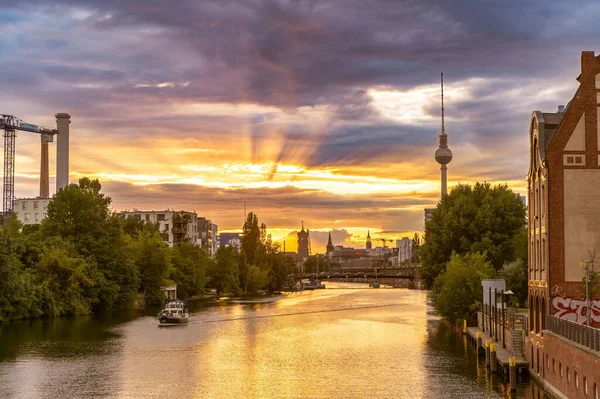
(348, 341)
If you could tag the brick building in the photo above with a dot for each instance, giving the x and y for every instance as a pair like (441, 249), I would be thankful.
(564, 226)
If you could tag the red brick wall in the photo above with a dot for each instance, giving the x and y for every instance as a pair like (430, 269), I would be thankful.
(574, 359)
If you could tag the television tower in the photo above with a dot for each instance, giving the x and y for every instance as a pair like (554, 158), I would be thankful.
(443, 155)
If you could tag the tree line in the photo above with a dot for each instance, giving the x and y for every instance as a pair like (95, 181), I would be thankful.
(475, 233)
(84, 258)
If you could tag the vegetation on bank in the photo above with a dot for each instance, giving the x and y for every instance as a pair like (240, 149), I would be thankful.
(475, 233)
(84, 258)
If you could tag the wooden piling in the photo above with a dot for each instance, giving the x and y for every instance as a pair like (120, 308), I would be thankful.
(487, 352)
(493, 362)
(512, 365)
(479, 343)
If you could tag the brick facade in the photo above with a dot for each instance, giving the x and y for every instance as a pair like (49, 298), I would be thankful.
(563, 225)
(569, 367)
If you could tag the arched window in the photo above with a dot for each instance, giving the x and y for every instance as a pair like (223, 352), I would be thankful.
(543, 313)
(531, 315)
(560, 369)
(568, 375)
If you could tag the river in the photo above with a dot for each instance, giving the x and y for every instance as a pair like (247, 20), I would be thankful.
(348, 341)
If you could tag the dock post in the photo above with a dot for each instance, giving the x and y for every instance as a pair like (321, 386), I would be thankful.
(487, 352)
(493, 363)
(464, 326)
(512, 365)
(479, 343)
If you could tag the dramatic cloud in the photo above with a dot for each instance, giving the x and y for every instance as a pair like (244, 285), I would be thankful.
(323, 111)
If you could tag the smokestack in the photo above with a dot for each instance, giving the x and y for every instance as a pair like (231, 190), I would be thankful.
(62, 150)
(44, 167)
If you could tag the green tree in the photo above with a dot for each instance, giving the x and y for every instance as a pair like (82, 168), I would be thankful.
(515, 276)
(251, 238)
(133, 225)
(190, 266)
(152, 257)
(416, 249)
(457, 291)
(67, 279)
(224, 271)
(80, 213)
(17, 294)
(476, 218)
(257, 279)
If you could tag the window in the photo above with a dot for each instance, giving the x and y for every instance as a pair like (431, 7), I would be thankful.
(585, 388)
(160, 217)
(578, 160)
(36, 204)
(569, 159)
(166, 227)
(147, 216)
(24, 205)
(45, 215)
(576, 380)
(27, 217)
(568, 374)
(560, 369)
(596, 390)
(553, 365)
(37, 219)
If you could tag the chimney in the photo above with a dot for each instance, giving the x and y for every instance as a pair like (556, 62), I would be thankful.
(62, 150)
(561, 109)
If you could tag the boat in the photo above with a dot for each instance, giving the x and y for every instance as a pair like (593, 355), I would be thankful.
(175, 312)
(375, 285)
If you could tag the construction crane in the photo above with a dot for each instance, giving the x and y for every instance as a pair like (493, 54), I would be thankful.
(384, 240)
(10, 125)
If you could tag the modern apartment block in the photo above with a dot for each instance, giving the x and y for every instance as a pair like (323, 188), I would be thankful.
(31, 210)
(178, 227)
(207, 233)
(405, 249)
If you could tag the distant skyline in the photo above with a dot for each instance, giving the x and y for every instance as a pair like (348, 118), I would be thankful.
(327, 112)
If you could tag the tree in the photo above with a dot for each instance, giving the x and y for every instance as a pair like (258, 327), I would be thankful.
(80, 213)
(251, 238)
(68, 280)
(416, 248)
(457, 291)
(16, 292)
(476, 218)
(257, 279)
(133, 225)
(515, 275)
(190, 266)
(224, 271)
(152, 257)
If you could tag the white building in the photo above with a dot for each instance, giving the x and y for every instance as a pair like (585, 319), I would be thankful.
(31, 210)
(178, 227)
(405, 249)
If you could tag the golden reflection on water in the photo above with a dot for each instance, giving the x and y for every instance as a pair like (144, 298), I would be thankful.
(333, 343)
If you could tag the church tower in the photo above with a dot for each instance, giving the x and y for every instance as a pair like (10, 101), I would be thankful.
(443, 155)
(329, 245)
(369, 245)
(303, 242)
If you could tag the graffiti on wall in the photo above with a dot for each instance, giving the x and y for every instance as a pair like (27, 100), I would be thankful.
(574, 309)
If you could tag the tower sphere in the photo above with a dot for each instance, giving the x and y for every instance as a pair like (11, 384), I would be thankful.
(443, 155)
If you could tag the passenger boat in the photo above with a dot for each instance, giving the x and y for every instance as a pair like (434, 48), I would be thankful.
(175, 312)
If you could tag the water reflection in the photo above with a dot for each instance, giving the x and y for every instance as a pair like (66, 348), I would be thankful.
(329, 343)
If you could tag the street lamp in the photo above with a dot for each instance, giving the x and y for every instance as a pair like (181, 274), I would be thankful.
(586, 265)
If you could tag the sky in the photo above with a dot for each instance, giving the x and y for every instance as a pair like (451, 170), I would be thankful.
(326, 112)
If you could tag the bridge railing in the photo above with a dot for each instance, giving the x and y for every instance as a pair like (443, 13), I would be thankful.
(577, 332)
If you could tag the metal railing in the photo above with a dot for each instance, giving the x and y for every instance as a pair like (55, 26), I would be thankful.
(582, 334)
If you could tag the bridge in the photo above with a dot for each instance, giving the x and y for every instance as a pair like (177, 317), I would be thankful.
(400, 277)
